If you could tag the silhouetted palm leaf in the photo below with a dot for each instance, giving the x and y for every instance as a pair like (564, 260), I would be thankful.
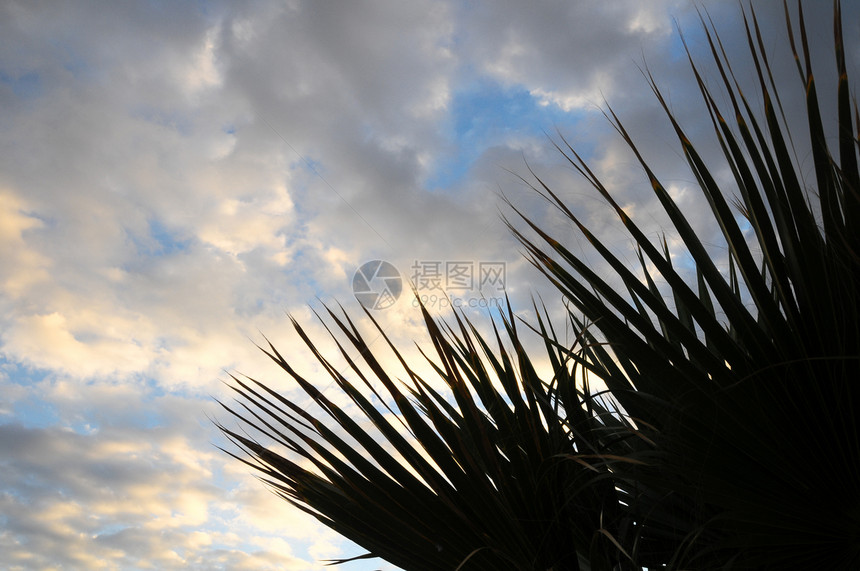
(728, 436)
(753, 408)
(488, 483)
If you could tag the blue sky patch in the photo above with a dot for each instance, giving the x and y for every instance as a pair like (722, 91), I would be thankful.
(159, 240)
(30, 411)
(486, 114)
(25, 86)
(168, 243)
(171, 119)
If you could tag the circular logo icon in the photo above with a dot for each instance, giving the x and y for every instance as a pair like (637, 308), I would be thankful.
(377, 284)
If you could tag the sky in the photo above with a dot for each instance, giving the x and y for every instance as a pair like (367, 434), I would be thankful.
(177, 177)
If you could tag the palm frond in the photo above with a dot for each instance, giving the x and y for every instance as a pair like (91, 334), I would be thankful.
(754, 426)
(727, 433)
(492, 481)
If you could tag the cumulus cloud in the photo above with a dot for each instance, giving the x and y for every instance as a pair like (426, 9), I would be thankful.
(120, 494)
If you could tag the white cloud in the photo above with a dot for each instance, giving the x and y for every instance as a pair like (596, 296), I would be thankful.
(126, 496)
(23, 266)
(46, 341)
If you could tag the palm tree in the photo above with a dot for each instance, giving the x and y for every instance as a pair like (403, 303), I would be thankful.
(726, 436)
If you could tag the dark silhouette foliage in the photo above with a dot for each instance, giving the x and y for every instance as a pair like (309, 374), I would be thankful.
(728, 433)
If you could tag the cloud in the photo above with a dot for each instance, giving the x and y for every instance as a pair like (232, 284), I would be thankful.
(562, 53)
(23, 266)
(124, 495)
(45, 341)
